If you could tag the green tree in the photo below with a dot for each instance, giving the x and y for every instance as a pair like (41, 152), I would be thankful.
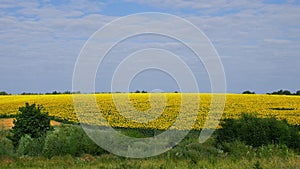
(286, 92)
(3, 93)
(256, 131)
(31, 121)
(282, 92)
(248, 92)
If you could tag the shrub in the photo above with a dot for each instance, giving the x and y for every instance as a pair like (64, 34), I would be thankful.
(30, 121)
(256, 131)
(196, 151)
(257, 165)
(6, 147)
(69, 139)
(30, 146)
(237, 149)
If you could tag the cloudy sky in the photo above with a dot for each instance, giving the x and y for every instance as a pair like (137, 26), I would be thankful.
(258, 42)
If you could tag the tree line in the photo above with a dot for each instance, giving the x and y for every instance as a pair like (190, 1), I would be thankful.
(32, 93)
(279, 92)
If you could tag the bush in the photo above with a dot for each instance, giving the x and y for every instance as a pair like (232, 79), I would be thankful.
(196, 151)
(31, 121)
(6, 147)
(257, 165)
(237, 149)
(30, 146)
(256, 131)
(69, 140)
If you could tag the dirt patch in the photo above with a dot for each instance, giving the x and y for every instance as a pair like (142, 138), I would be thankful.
(7, 123)
(54, 123)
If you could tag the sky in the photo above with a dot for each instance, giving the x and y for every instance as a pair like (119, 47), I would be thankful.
(257, 41)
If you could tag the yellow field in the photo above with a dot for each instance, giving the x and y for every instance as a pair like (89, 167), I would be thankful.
(61, 106)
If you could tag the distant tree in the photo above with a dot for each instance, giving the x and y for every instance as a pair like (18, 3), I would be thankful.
(55, 92)
(67, 92)
(31, 121)
(28, 93)
(175, 91)
(297, 92)
(137, 91)
(3, 93)
(143, 91)
(77, 92)
(248, 92)
(277, 92)
(286, 92)
(282, 92)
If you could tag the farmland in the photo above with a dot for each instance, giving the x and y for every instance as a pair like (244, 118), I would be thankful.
(63, 149)
(62, 107)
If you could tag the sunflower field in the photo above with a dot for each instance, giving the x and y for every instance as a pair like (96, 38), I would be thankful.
(153, 110)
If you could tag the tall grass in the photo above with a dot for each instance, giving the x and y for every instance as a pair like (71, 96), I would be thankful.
(69, 147)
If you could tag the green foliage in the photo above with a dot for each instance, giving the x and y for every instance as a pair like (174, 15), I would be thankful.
(248, 92)
(6, 147)
(3, 93)
(69, 140)
(31, 121)
(191, 150)
(281, 92)
(7, 116)
(196, 151)
(189, 153)
(257, 165)
(256, 131)
(143, 91)
(125, 165)
(28, 93)
(237, 149)
(30, 146)
(139, 132)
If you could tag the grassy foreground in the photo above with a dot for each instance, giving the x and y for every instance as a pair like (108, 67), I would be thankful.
(188, 154)
(110, 161)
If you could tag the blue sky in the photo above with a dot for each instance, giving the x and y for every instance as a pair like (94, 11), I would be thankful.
(258, 42)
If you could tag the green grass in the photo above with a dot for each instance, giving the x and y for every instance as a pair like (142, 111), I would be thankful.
(111, 161)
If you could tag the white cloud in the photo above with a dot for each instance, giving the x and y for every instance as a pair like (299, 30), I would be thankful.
(245, 33)
(202, 6)
(277, 41)
(44, 41)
